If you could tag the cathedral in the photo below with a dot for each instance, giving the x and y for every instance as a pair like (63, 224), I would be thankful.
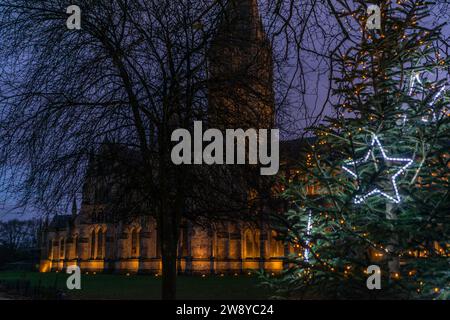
(240, 47)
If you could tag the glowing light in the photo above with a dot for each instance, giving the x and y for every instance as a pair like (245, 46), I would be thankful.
(308, 234)
(435, 98)
(416, 78)
(376, 143)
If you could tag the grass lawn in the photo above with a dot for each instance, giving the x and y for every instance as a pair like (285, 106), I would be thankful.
(107, 286)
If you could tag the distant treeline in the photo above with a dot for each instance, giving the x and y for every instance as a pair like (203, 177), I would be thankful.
(19, 243)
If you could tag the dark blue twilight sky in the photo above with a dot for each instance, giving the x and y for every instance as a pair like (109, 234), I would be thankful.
(305, 102)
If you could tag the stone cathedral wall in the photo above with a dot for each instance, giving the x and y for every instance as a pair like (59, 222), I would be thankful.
(231, 249)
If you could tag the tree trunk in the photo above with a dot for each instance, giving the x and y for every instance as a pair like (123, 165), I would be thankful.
(172, 182)
(169, 241)
(393, 261)
(169, 270)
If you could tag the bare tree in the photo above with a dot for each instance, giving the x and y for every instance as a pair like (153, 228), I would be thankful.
(136, 71)
(18, 234)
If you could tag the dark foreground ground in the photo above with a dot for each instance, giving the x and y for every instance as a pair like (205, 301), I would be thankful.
(105, 286)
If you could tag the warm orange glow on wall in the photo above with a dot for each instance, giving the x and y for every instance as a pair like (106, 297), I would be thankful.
(45, 266)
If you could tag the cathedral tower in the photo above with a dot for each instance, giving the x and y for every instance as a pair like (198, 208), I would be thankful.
(241, 70)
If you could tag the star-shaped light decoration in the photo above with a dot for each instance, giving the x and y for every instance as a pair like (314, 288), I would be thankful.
(353, 163)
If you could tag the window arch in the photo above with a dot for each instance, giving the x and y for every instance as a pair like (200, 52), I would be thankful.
(134, 243)
(251, 244)
(311, 189)
(75, 246)
(183, 242)
(50, 249)
(93, 244)
(256, 246)
(276, 246)
(62, 248)
(100, 243)
(55, 249)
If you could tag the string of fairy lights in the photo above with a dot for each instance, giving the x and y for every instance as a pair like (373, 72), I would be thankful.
(397, 165)
(415, 78)
(308, 237)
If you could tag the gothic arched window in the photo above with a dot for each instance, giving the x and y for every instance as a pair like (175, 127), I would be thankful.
(183, 242)
(251, 242)
(50, 249)
(100, 243)
(61, 248)
(135, 243)
(248, 241)
(276, 246)
(256, 246)
(93, 244)
(75, 246)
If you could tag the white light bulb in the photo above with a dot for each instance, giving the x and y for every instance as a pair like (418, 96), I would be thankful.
(308, 233)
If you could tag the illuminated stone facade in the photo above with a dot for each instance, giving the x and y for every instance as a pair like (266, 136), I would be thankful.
(222, 248)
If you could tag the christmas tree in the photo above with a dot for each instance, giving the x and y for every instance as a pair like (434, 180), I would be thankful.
(379, 170)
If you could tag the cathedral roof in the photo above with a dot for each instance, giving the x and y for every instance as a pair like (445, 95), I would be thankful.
(60, 222)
